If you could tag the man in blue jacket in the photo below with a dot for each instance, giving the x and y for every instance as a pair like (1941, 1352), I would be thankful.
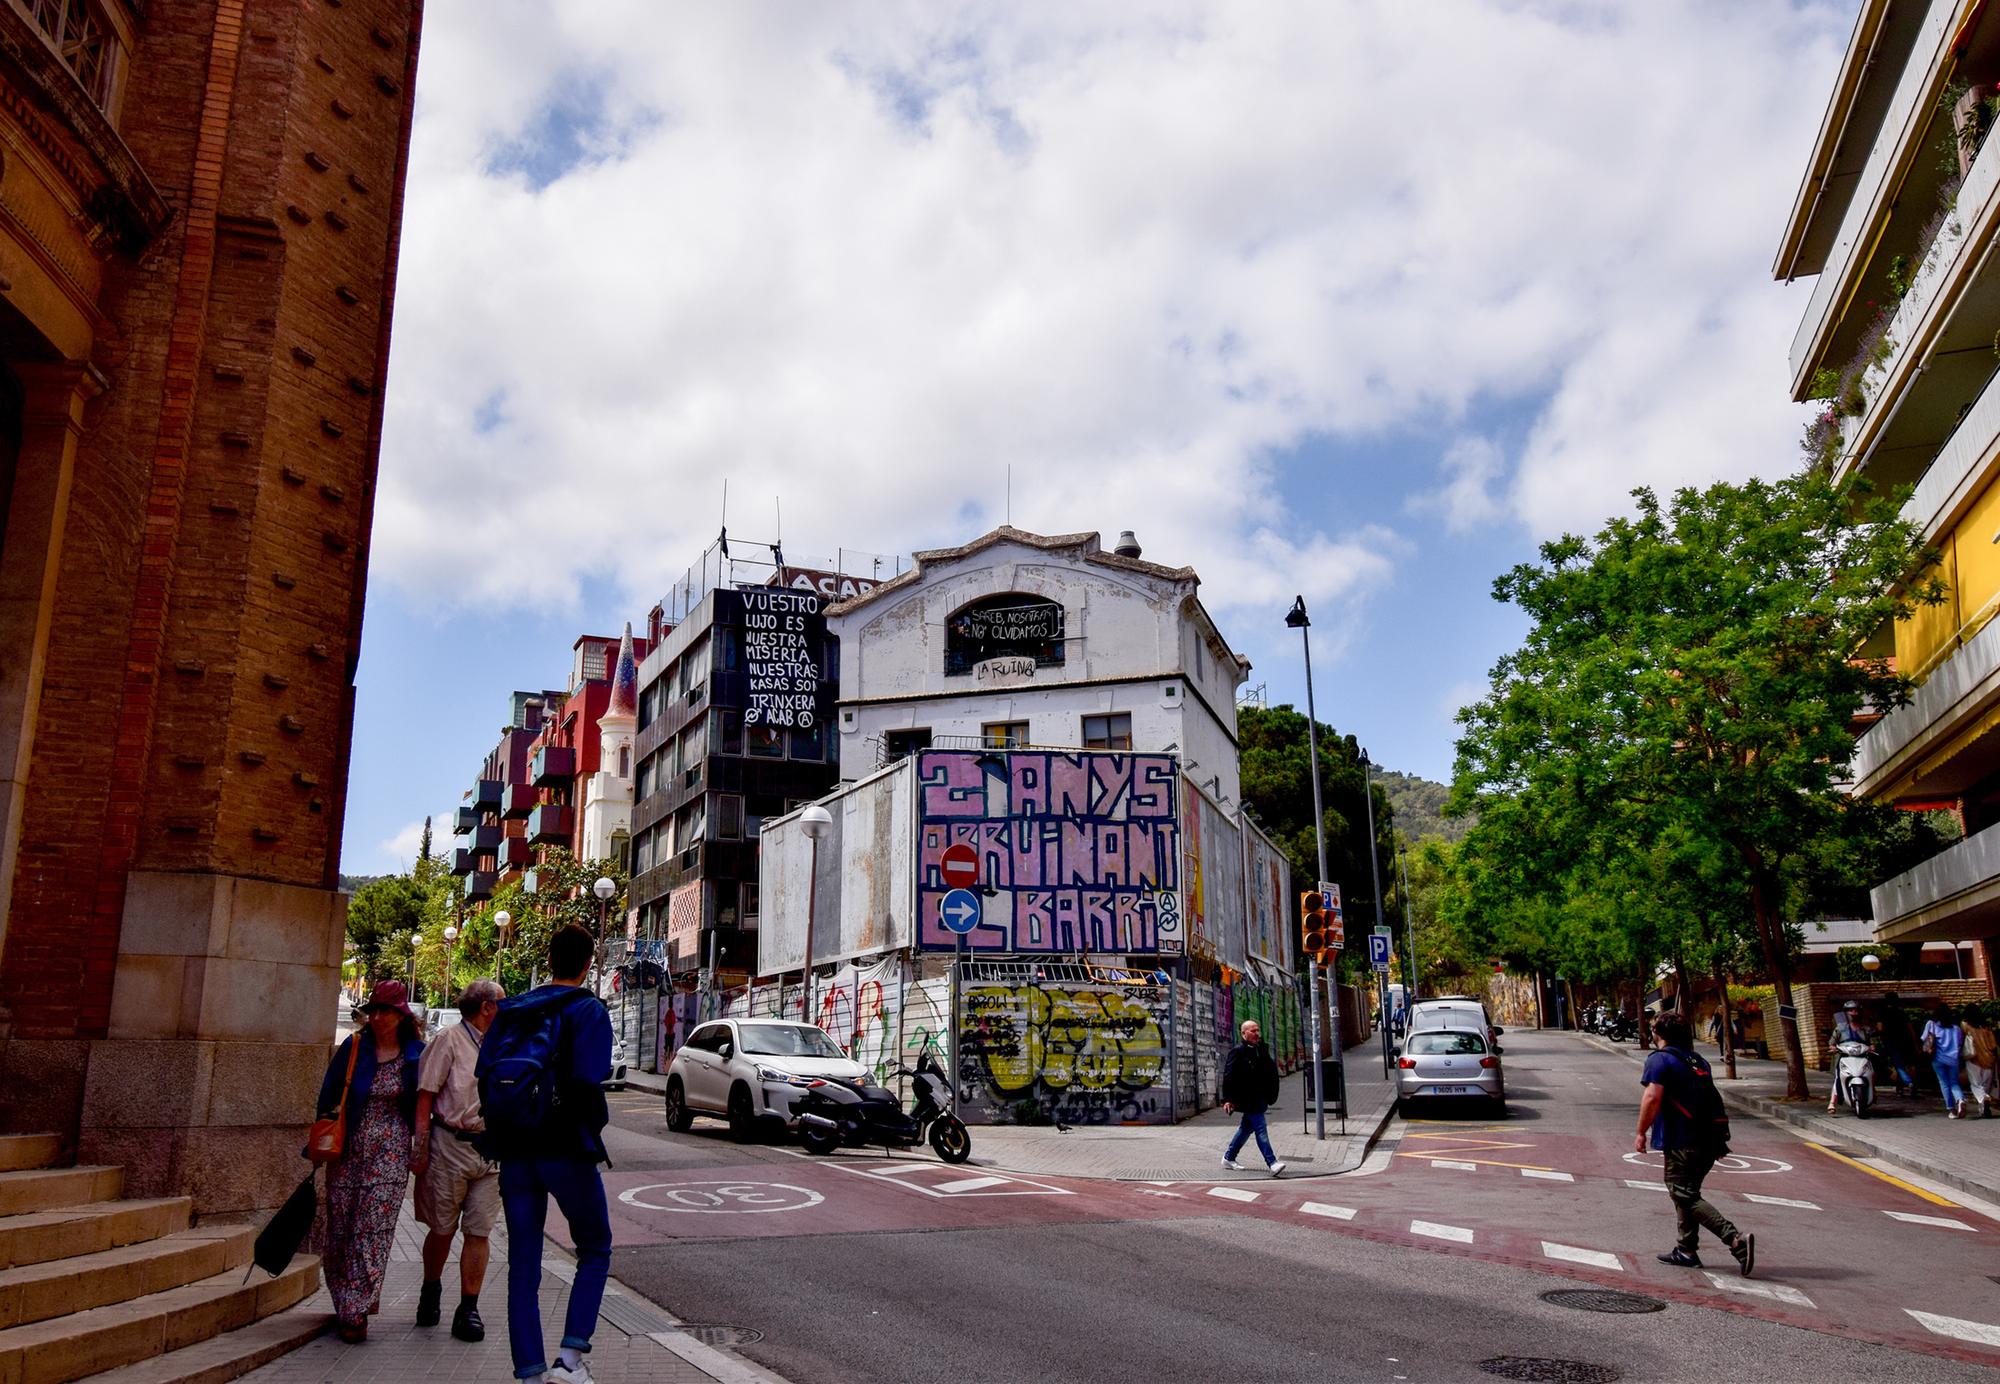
(558, 1158)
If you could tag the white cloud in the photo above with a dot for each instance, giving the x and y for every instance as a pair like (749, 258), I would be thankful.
(1473, 466)
(866, 258)
(399, 852)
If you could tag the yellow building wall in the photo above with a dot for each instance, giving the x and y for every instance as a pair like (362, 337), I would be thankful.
(1931, 632)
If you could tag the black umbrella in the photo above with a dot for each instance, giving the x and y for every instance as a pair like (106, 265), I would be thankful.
(279, 1240)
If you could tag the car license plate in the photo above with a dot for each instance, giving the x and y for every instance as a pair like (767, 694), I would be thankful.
(1454, 1090)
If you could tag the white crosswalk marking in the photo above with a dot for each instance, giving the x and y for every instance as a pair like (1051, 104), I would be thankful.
(1441, 1232)
(1752, 1288)
(1455, 1165)
(1597, 1258)
(1780, 1201)
(969, 1184)
(1320, 1208)
(1957, 1327)
(1645, 1186)
(1548, 1174)
(1913, 1218)
(1233, 1194)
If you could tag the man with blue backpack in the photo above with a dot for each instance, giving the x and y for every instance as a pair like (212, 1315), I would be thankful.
(1683, 1113)
(541, 1074)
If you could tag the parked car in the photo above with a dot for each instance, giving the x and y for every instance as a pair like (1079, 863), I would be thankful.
(750, 1072)
(1444, 1063)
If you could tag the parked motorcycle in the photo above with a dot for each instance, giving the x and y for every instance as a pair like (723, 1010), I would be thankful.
(833, 1113)
(1854, 1077)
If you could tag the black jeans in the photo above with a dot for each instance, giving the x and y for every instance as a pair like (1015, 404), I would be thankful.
(1686, 1168)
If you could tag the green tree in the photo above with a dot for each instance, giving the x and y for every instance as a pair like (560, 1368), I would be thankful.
(1692, 669)
(379, 914)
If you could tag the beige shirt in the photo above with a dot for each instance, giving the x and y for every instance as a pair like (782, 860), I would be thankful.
(446, 1070)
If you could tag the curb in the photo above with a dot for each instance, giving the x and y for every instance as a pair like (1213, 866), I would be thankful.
(1850, 1133)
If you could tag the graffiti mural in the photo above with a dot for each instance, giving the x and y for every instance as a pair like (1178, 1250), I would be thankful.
(1073, 1052)
(1266, 887)
(1079, 851)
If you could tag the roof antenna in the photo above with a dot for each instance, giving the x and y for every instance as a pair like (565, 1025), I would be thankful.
(725, 517)
(1010, 494)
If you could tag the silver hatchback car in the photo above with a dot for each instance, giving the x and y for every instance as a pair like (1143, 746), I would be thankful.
(1450, 1064)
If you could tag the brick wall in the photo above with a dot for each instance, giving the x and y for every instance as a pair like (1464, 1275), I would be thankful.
(198, 694)
(1818, 1001)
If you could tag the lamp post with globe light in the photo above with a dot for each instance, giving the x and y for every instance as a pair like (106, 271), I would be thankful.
(416, 940)
(604, 889)
(815, 822)
(503, 925)
(450, 939)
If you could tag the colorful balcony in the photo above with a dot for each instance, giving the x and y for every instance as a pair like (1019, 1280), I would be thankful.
(518, 800)
(485, 837)
(550, 823)
(463, 820)
(480, 884)
(514, 854)
(485, 795)
(531, 882)
(461, 861)
(552, 764)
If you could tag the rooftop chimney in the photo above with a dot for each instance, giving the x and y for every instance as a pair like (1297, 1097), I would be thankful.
(1128, 545)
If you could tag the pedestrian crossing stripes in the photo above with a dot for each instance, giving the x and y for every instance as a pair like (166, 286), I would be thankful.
(1780, 1201)
(1751, 1287)
(1645, 1186)
(1320, 1208)
(1455, 1233)
(1233, 1194)
(1455, 1165)
(1548, 1174)
(1980, 1333)
(1596, 1258)
(1944, 1222)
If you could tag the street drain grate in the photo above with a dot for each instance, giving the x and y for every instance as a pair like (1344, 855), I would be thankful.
(1602, 1300)
(724, 1335)
(1550, 1371)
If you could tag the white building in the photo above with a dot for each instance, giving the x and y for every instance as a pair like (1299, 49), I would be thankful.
(607, 794)
(1017, 639)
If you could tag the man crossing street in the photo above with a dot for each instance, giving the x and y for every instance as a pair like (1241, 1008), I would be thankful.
(1249, 1085)
(1685, 1123)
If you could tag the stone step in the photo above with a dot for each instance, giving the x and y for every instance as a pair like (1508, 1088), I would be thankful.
(229, 1356)
(47, 1189)
(39, 1236)
(18, 1151)
(124, 1333)
(37, 1292)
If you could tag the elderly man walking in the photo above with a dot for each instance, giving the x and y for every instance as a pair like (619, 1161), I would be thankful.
(1249, 1085)
(457, 1189)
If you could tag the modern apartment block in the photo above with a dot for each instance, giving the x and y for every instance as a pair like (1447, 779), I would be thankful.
(734, 726)
(1895, 221)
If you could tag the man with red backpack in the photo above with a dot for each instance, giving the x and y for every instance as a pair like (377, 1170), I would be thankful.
(1683, 1114)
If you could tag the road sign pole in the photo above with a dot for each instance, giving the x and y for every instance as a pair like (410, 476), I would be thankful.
(1298, 619)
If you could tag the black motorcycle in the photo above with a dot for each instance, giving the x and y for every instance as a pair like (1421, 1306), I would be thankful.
(857, 1113)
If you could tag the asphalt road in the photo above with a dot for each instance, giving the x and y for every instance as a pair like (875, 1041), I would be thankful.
(1430, 1261)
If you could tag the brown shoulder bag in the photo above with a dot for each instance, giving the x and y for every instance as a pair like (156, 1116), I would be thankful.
(328, 1137)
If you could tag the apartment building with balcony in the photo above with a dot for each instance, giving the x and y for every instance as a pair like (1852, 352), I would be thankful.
(1895, 222)
(491, 825)
(734, 726)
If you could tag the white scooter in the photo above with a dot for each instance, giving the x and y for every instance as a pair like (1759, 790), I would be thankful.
(1854, 1077)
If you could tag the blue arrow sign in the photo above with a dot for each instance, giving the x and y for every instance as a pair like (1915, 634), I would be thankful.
(1378, 949)
(960, 910)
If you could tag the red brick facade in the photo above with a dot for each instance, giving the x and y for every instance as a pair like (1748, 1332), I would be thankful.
(197, 696)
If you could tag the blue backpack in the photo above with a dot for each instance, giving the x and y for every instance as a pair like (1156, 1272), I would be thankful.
(520, 1070)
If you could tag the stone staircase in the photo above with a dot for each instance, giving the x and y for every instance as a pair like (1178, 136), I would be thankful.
(127, 1291)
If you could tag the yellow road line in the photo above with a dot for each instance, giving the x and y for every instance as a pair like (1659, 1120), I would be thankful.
(1484, 1162)
(1931, 1197)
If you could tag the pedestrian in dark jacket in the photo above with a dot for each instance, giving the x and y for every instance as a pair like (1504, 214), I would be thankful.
(1249, 1085)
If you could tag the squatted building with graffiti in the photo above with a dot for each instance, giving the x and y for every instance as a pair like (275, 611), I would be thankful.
(1060, 721)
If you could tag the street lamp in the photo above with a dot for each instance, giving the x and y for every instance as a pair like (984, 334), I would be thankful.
(503, 924)
(815, 822)
(416, 940)
(450, 937)
(1375, 874)
(604, 889)
(1871, 963)
(1297, 619)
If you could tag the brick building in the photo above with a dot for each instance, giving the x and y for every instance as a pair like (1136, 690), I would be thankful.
(199, 209)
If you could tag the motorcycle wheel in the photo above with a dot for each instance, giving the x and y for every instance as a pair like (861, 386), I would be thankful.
(950, 1141)
(820, 1141)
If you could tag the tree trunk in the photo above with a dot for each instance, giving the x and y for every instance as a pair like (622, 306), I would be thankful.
(1645, 1023)
(1777, 956)
(1684, 1000)
(1728, 1039)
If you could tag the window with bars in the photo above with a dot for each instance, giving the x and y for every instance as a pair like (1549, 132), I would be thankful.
(81, 38)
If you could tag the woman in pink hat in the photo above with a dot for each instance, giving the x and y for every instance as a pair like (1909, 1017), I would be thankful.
(366, 1184)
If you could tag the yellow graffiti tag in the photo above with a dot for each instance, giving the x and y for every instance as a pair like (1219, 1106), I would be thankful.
(1085, 1039)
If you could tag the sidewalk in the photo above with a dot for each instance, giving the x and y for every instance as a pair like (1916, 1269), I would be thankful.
(636, 1342)
(1192, 1149)
(1912, 1134)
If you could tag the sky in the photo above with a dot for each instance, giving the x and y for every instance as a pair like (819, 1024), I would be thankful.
(1360, 301)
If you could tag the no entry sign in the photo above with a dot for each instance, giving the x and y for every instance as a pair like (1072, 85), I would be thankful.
(960, 866)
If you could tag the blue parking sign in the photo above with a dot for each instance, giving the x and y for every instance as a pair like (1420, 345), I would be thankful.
(1378, 950)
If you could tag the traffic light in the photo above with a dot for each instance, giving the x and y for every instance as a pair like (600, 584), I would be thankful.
(1320, 935)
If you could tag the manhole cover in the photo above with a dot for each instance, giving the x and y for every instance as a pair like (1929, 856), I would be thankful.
(723, 1335)
(1602, 1300)
(1550, 1371)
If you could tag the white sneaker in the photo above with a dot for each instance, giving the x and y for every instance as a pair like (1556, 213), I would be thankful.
(567, 1374)
(1232, 1165)
(1277, 1167)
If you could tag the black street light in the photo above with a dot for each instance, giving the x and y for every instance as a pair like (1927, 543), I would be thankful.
(1297, 619)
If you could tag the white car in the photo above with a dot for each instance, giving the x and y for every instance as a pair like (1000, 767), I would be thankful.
(1455, 1011)
(749, 1071)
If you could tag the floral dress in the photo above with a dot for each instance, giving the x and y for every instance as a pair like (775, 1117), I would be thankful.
(364, 1196)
